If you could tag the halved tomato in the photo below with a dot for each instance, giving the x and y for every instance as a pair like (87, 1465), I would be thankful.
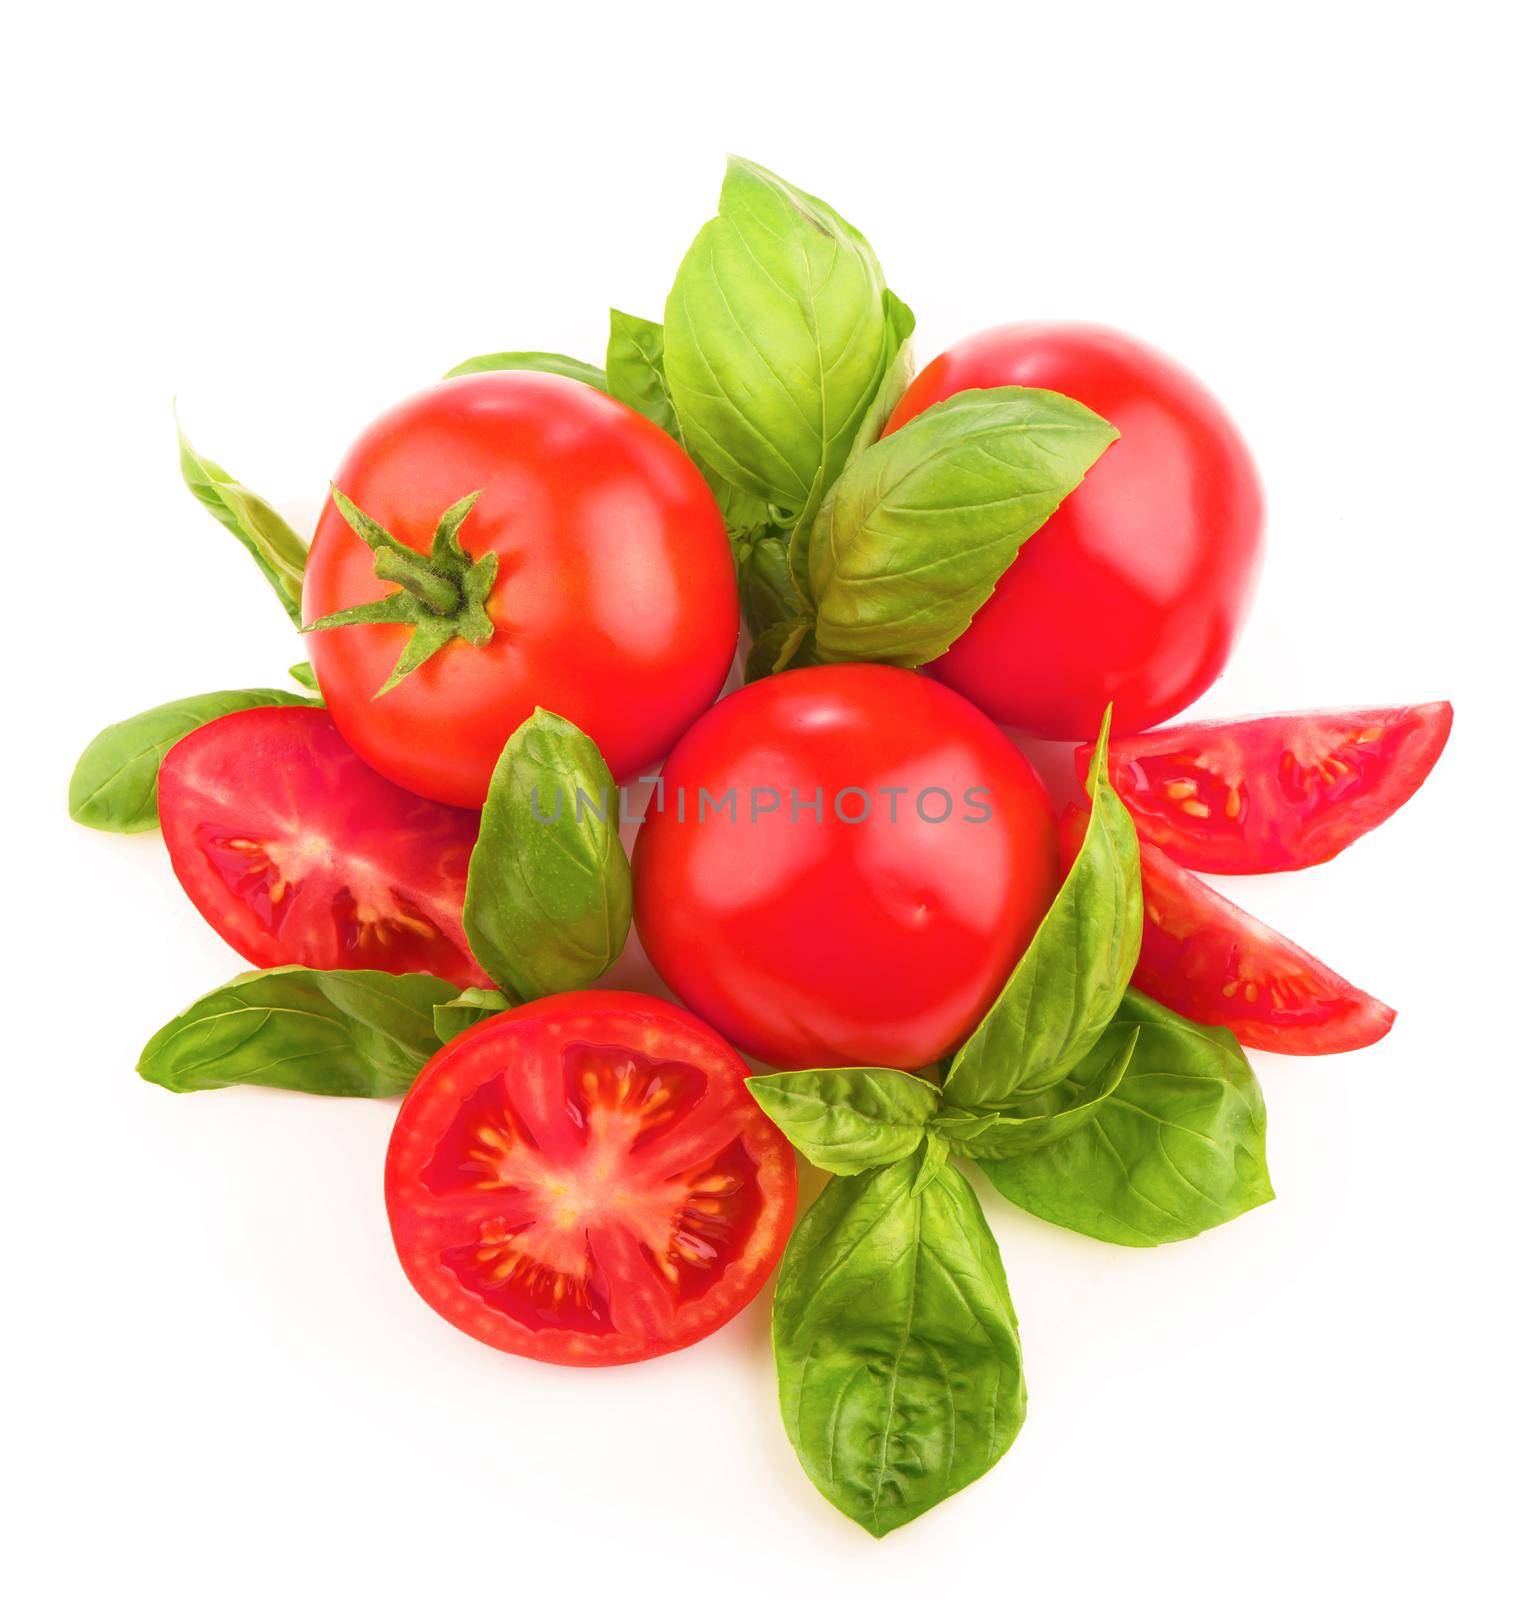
(1207, 959)
(586, 1180)
(1271, 794)
(296, 852)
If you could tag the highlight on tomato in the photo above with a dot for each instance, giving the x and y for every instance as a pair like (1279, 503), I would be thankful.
(509, 540)
(298, 853)
(1272, 794)
(847, 863)
(586, 1180)
(1209, 960)
(1134, 590)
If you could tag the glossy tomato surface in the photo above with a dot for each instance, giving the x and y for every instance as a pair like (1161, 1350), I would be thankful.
(1272, 794)
(586, 1180)
(615, 603)
(298, 853)
(1133, 591)
(1207, 959)
(870, 858)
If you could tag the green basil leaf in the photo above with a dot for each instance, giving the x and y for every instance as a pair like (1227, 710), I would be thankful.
(1177, 1147)
(451, 1017)
(348, 1033)
(1065, 989)
(115, 783)
(847, 1119)
(763, 579)
(920, 527)
(1012, 1134)
(900, 324)
(305, 675)
(899, 1363)
(531, 361)
(279, 551)
(549, 895)
(634, 370)
(776, 338)
(786, 644)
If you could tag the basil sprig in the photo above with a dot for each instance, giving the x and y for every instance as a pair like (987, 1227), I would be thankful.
(549, 897)
(279, 551)
(1083, 1101)
(451, 1017)
(340, 1033)
(1065, 989)
(899, 1362)
(114, 786)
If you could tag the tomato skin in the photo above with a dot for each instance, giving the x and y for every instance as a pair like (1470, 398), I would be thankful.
(1209, 960)
(298, 853)
(548, 1181)
(1135, 588)
(812, 943)
(1274, 794)
(615, 604)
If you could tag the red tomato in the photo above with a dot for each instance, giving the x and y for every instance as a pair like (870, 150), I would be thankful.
(297, 853)
(1134, 589)
(614, 602)
(1270, 794)
(1210, 961)
(885, 860)
(586, 1180)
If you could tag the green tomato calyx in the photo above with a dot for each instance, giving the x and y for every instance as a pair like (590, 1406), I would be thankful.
(441, 596)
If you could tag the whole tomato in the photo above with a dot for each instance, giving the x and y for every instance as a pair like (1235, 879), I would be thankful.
(591, 576)
(1134, 589)
(847, 863)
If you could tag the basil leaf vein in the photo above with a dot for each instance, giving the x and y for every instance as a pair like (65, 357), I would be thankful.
(340, 1033)
(549, 894)
(114, 786)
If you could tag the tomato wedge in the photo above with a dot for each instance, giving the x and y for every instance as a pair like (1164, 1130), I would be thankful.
(1271, 794)
(297, 853)
(1207, 959)
(586, 1180)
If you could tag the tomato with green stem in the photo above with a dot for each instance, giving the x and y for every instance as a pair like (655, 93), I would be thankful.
(509, 540)
(586, 1180)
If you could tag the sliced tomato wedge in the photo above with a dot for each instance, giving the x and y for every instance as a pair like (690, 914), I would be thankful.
(586, 1180)
(297, 853)
(1207, 959)
(1271, 794)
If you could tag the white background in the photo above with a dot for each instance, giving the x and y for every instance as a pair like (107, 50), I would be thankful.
(290, 216)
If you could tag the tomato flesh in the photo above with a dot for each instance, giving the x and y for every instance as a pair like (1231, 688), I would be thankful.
(1207, 959)
(1135, 588)
(614, 604)
(1272, 794)
(297, 853)
(586, 1180)
(845, 908)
